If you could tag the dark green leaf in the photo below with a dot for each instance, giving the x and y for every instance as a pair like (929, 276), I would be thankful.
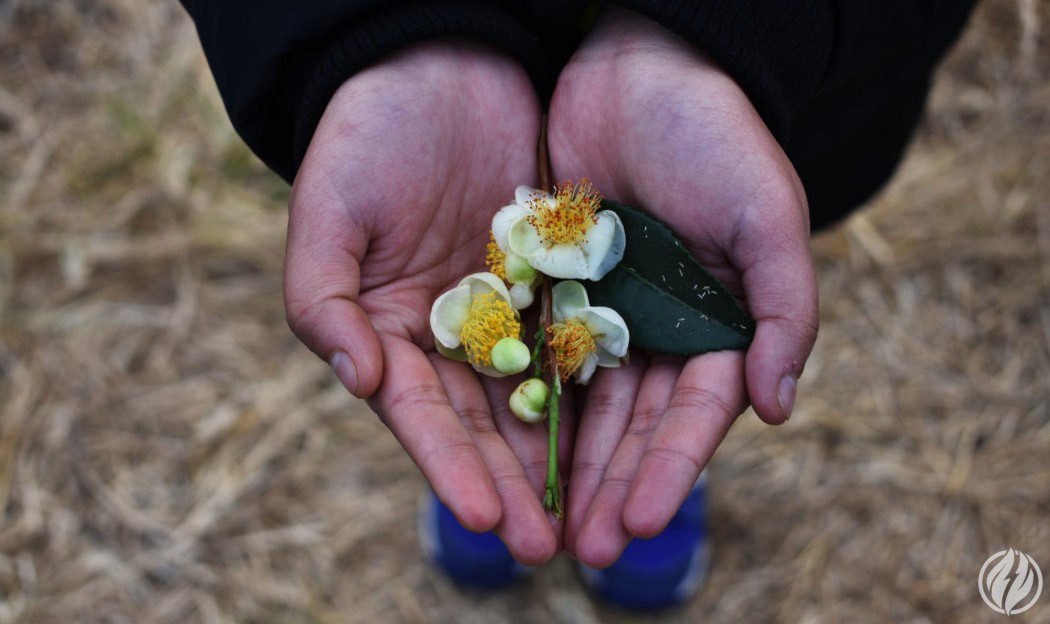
(670, 303)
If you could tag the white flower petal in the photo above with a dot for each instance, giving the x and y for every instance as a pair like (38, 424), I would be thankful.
(504, 220)
(448, 314)
(523, 239)
(584, 373)
(567, 261)
(458, 354)
(567, 299)
(484, 283)
(607, 328)
(525, 195)
(605, 244)
(521, 295)
(608, 360)
(488, 371)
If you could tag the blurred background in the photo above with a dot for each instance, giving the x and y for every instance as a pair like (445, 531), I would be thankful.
(170, 453)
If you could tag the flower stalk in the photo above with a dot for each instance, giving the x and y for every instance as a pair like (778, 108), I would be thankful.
(552, 487)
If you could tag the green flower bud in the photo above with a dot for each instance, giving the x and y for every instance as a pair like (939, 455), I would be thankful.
(518, 269)
(529, 400)
(510, 356)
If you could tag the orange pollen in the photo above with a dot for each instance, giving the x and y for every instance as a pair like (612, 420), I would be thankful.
(574, 211)
(490, 320)
(495, 259)
(571, 343)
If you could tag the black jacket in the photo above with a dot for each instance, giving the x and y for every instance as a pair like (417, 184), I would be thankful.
(840, 83)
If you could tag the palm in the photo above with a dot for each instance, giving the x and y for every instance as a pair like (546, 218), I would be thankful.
(703, 164)
(392, 206)
(678, 137)
(422, 246)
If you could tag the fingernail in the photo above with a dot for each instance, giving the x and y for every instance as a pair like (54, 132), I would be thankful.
(786, 394)
(344, 370)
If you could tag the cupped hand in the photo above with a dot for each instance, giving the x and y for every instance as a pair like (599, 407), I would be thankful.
(655, 123)
(391, 207)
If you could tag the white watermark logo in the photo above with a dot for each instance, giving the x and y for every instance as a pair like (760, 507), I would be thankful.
(1010, 582)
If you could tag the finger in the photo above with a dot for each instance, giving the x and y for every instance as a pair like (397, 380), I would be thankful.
(321, 285)
(609, 401)
(602, 537)
(530, 442)
(414, 404)
(569, 415)
(527, 440)
(780, 286)
(707, 399)
(523, 526)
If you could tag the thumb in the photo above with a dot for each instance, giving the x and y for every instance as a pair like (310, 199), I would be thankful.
(780, 286)
(322, 279)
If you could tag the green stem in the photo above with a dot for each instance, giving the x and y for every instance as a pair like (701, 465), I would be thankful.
(552, 489)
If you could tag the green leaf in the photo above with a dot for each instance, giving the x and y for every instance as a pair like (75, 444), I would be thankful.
(669, 302)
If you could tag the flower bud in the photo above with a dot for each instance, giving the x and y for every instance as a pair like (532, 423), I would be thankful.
(518, 269)
(510, 356)
(529, 400)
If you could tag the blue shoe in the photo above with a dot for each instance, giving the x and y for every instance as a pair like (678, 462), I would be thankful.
(660, 572)
(478, 560)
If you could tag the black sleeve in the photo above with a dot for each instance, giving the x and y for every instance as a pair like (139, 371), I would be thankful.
(277, 63)
(840, 83)
(849, 136)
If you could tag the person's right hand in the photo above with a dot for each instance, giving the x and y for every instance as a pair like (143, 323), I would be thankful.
(391, 207)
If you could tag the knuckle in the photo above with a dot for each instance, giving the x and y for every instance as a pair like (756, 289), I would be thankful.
(701, 399)
(675, 456)
(535, 468)
(607, 403)
(300, 312)
(447, 454)
(423, 398)
(617, 484)
(644, 420)
(587, 467)
(477, 421)
(801, 328)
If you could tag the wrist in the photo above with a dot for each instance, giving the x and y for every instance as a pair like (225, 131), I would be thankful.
(433, 87)
(372, 40)
(640, 58)
(438, 69)
(777, 51)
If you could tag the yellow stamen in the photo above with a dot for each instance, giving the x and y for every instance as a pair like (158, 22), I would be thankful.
(572, 343)
(491, 319)
(495, 259)
(575, 210)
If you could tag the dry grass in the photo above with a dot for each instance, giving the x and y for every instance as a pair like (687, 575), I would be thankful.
(168, 453)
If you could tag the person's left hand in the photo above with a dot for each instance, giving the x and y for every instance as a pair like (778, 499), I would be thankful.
(656, 124)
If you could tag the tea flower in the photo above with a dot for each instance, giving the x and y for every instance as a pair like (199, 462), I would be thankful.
(583, 336)
(469, 320)
(562, 235)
